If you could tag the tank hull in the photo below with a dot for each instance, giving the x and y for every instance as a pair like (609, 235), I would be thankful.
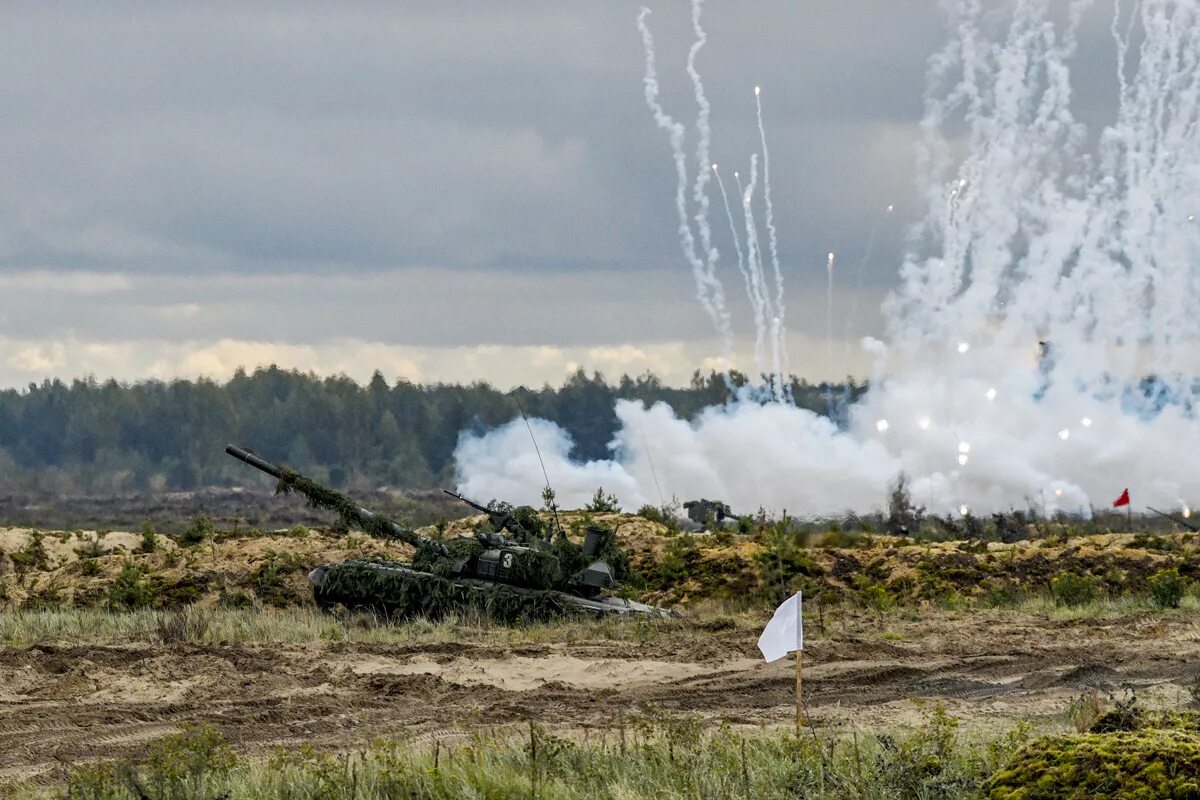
(397, 591)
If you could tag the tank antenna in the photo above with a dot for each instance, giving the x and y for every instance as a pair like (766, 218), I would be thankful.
(536, 449)
(653, 472)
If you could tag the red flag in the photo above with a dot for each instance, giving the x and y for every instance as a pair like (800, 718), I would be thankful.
(1123, 500)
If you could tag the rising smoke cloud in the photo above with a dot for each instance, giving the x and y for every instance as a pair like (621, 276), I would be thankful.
(1042, 347)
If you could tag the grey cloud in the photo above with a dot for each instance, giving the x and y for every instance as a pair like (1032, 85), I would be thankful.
(478, 172)
(163, 138)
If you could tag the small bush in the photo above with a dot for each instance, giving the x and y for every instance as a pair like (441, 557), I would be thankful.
(95, 782)
(45, 598)
(129, 590)
(1085, 710)
(184, 765)
(178, 593)
(928, 763)
(1167, 588)
(32, 556)
(651, 513)
(201, 529)
(874, 597)
(1073, 590)
(603, 503)
(92, 548)
(149, 542)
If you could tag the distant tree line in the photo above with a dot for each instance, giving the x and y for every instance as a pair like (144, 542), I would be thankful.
(108, 437)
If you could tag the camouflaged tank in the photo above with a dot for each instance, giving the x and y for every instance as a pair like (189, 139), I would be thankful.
(511, 573)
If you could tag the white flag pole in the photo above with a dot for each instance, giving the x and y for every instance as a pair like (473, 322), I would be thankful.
(785, 634)
(799, 679)
(799, 661)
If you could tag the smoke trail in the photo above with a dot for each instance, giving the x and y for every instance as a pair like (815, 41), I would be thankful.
(699, 189)
(829, 316)
(761, 312)
(737, 246)
(753, 276)
(757, 280)
(708, 289)
(779, 344)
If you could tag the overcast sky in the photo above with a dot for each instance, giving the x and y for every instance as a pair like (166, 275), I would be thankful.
(443, 191)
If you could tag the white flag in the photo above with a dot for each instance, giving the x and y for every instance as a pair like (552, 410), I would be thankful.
(785, 632)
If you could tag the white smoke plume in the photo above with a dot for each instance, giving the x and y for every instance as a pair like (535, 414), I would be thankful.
(709, 290)
(1043, 348)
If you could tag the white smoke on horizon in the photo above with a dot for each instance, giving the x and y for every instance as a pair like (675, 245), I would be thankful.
(1040, 233)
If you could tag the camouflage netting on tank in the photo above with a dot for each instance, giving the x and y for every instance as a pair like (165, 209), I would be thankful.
(399, 593)
(522, 522)
(429, 560)
(537, 569)
(570, 555)
(326, 499)
(1125, 756)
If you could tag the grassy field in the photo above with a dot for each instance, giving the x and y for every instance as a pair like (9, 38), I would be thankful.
(301, 625)
(647, 756)
(641, 751)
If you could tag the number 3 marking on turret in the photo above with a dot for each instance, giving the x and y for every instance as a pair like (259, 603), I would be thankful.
(507, 561)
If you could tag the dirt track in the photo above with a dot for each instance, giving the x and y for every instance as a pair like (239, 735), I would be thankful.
(63, 704)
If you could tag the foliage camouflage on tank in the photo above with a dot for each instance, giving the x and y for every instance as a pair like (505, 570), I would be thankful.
(509, 570)
(394, 591)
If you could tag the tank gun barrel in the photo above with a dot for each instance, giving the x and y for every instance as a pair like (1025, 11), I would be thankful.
(471, 503)
(253, 460)
(324, 497)
(1175, 519)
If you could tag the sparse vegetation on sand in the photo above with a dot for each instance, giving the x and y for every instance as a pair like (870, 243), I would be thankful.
(836, 563)
(645, 756)
(651, 755)
(684, 696)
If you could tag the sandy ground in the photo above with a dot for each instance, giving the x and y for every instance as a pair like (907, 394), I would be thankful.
(62, 704)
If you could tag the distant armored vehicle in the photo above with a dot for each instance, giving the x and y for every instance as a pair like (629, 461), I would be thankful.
(522, 577)
(706, 512)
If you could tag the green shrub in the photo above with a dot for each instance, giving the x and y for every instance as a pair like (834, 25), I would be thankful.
(185, 765)
(45, 598)
(92, 548)
(177, 593)
(32, 556)
(94, 782)
(149, 542)
(1167, 588)
(663, 516)
(1073, 590)
(201, 529)
(928, 763)
(874, 597)
(128, 590)
(603, 503)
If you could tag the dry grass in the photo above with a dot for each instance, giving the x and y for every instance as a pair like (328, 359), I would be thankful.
(299, 625)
